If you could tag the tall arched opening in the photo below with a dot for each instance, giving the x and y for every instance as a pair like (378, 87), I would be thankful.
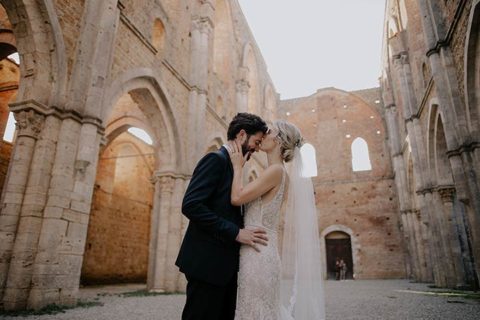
(138, 98)
(117, 246)
(472, 65)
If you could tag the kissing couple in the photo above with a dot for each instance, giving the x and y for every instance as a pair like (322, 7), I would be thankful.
(230, 253)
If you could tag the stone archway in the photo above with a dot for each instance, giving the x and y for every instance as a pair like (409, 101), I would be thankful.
(453, 237)
(169, 181)
(40, 43)
(145, 83)
(338, 245)
(472, 65)
(346, 232)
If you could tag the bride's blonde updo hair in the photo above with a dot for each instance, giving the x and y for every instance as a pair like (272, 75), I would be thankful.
(290, 138)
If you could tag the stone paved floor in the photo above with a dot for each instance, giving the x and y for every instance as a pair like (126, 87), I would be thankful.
(346, 300)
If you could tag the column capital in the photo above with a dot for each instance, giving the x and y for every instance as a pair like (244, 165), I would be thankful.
(401, 59)
(242, 86)
(423, 191)
(167, 179)
(446, 193)
(29, 123)
(417, 213)
(391, 108)
(46, 111)
(165, 183)
(202, 24)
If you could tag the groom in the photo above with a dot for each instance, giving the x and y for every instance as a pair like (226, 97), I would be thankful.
(209, 254)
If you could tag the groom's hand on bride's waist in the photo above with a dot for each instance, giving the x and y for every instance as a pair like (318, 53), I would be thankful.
(252, 236)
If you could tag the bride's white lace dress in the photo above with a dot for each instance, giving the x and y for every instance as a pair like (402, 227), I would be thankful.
(258, 294)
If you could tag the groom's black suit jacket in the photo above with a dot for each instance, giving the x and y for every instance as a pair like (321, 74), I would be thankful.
(209, 251)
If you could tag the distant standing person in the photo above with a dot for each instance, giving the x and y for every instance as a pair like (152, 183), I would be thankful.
(337, 269)
(343, 269)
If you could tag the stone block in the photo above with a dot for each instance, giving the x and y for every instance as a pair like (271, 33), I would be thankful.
(8, 222)
(14, 198)
(68, 296)
(75, 216)
(53, 231)
(83, 207)
(54, 212)
(58, 201)
(49, 281)
(40, 297)
(15, 299)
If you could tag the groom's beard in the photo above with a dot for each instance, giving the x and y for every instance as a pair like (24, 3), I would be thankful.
(246, 149)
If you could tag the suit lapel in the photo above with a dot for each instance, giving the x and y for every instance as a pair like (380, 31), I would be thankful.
(227, 155)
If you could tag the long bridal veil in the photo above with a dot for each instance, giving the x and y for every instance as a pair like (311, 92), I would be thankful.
(302, 288)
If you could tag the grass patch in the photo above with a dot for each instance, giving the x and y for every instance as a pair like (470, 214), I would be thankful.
(458, 294)
(146, 293)
(448, 293)
(50, 309)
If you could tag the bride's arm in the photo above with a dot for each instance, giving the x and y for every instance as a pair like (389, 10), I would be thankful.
(270, 178)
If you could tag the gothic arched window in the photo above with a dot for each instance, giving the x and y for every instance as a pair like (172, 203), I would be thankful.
(309, 160)
(360, 156)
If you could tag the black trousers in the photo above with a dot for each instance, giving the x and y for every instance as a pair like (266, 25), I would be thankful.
(209, 302)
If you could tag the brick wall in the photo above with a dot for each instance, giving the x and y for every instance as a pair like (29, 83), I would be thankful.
(364, 201)
(119, 228)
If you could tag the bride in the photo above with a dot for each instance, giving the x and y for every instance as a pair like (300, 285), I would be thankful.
(270, 287)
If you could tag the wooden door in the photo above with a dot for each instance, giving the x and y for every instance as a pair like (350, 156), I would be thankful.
(342, 249)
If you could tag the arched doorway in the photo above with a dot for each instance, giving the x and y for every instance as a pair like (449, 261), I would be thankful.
(338, 245)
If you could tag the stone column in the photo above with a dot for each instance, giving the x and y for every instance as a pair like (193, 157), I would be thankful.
(52, 223)
(415, 134)
(445, 239)
(411, 244)
(58, 262)
(29, 125)
(454, 238)
(397, 156)
(174, 235)
(472, 204)
(419, 244)
(162, 203)
(242, 87)
(25, 248)
(440, 259)
(181, 280)
(391, 117)
(461, 213)
(199, 61)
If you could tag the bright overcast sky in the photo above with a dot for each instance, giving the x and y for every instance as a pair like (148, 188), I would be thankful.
(313, 44)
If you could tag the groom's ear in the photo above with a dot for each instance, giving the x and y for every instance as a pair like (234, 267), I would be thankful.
(241, 136)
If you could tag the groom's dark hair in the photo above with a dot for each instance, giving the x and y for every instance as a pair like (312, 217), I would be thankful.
(251, 123)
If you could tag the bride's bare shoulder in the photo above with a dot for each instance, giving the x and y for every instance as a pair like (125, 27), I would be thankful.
(274, 171)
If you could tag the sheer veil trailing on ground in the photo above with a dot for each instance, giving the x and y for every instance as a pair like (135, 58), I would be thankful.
(302, 288)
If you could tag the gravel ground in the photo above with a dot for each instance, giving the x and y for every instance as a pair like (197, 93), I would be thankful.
(346, 300)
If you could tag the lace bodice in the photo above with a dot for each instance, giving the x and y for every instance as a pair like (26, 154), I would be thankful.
(266, 215)
(258, 295)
